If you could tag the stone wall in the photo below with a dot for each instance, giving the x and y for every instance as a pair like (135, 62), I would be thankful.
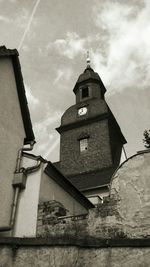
(46, 253)
(102, 222)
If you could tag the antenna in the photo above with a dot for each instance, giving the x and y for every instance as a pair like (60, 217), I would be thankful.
(88, 59)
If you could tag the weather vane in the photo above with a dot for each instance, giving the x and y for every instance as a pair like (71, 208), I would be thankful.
(88, 59)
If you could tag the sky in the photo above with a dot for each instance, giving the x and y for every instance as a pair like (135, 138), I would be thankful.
(53, 36)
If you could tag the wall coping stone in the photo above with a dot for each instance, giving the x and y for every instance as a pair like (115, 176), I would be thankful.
(88, 242)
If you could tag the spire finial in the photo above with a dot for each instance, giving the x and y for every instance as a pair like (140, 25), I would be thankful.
(88, 59)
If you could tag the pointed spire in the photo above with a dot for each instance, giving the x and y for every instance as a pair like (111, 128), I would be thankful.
(88, 61)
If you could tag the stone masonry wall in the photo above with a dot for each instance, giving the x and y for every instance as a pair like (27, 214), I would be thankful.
(73, 256)
(102, 222)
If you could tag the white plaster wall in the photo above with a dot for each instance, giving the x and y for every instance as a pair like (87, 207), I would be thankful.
(101, 192)
(39, 187)
(95, 199)
(50, 190)
(11, 136)
(26, 218)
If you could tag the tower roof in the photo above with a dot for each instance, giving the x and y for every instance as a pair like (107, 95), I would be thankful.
(89, 75)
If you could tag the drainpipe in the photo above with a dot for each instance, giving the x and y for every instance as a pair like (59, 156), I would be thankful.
(19, 182)
(19, 158)
(36, 167)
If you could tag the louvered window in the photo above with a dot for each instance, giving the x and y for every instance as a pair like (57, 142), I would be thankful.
(85, 92)
(83, 145)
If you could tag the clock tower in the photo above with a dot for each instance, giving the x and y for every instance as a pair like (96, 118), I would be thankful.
(90, 138)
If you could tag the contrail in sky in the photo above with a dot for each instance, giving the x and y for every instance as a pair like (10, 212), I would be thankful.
(29, 23)
(51, 148)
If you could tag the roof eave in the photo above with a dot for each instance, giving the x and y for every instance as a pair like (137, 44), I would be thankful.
(95, 187)
(89, 80)
(13, 53)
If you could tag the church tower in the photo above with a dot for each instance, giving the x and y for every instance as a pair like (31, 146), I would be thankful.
(90, 137)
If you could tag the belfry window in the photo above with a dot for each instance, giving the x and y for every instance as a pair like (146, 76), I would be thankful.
(85, 92)
(83, 145)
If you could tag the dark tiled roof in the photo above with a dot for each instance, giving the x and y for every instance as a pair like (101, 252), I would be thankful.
(92, 180)
(60, 179)
(113, 123)
(13, 53)
(89, 75)
(8, 52)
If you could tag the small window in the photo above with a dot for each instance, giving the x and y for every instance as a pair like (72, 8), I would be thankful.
(83, 145)
(85, 92)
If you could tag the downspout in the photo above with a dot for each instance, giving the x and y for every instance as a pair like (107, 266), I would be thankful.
(18, 185)
(34, 168)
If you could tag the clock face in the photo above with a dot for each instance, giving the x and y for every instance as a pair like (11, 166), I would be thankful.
(82, 111)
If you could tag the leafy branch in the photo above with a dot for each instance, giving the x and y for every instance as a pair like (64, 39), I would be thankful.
(146, 139)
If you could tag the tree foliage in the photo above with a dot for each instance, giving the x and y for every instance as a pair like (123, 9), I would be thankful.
(146, 139)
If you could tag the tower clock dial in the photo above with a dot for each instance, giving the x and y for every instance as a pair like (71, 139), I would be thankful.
(82, 111)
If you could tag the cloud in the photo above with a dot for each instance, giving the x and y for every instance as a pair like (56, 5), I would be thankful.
(119, 49)
(51, 148)
(58, 76)
(63, 74)
(33, 101)
(19, 20)
(26, 48)
(69, 47)
(4, 19)
(112, 15)
(46, 137)
(41, 126)
(124, 61)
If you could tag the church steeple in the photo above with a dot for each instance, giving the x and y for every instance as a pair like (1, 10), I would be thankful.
(89, 85)
(91, 140)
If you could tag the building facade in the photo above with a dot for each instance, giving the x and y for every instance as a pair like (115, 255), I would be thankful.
(15, 131)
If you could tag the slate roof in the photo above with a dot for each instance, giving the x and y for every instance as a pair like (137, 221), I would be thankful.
(89, 75)
(13, 53)
(92, 180)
